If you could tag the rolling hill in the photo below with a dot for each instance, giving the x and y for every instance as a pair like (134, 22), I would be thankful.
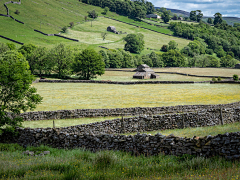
(51, 16)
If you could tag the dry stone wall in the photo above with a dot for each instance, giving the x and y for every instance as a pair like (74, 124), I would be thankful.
(135, 111)
(97, 136)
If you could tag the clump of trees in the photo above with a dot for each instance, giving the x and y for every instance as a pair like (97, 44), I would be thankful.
(134, 9)
(221, 39)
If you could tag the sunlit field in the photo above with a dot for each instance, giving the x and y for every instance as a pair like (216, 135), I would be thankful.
(128, 76)
(58, 96)
(64, 122)
(88, 34)
(225, 72)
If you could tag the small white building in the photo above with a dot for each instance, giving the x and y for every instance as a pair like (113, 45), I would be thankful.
(153, 16)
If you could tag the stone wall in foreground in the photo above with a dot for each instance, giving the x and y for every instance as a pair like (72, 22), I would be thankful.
(136, 111)
(227, 145)
(106, 135)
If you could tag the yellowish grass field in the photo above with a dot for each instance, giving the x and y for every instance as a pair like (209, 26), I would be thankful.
(64, 122)
(127, 76)
(57, 96)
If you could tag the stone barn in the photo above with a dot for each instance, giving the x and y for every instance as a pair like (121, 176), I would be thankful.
(112, 29)
(145, 72)
(155, 16)
(237, 66)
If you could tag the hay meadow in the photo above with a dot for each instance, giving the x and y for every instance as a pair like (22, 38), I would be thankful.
(58, 96)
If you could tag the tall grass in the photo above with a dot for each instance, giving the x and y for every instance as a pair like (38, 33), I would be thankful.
(79, 164)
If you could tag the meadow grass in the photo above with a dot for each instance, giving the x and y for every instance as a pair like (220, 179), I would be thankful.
(198, 131)
(58, 96)
(225, 72)
(128, 76)
(79, 164)
(65, 122)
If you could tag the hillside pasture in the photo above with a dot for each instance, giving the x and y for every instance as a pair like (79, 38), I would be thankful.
(59, 96)
(86, 33)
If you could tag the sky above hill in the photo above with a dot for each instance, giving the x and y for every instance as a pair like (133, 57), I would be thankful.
(208, 7)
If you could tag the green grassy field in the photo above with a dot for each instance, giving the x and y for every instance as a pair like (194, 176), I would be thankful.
(57, 96)
(199, 131)
(108, 165)
(51, 16)
(128, 76)
(91, 35)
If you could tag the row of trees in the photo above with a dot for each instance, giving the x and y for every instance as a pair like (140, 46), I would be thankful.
(134, 9)
(222, 40)
(60, 60)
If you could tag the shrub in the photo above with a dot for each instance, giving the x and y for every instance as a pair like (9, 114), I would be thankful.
(104, 159)
(235, 77)
(10, 147)
(17, 12)
(219, 78)
(209, 51)
(214, 79)
(64, 29)
(71, 24)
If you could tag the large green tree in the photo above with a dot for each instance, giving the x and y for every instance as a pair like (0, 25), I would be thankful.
(217, 18)
(88, 64)
(134, 43)
(193, 16)
(173, 58)
(199, 15)
(62, 57)
(16, 93)
(165, 16)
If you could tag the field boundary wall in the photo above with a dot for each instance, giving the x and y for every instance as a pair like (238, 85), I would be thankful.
(134, 111)
(11, 40)
(104, 135)
(56, 35)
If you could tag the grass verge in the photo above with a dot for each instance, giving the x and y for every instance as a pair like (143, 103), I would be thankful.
(79, 164)
(64, 122)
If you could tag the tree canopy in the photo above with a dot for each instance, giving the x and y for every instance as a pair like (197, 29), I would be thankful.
(134, 43)
(16, 93)
(88, 64)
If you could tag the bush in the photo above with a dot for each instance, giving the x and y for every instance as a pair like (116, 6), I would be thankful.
(17, 12)
(104, 159)
(64, 29)
(219, 78)
(71, 24)
(235, 77)
(209, 51)
(214, 79)
(10, 147)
